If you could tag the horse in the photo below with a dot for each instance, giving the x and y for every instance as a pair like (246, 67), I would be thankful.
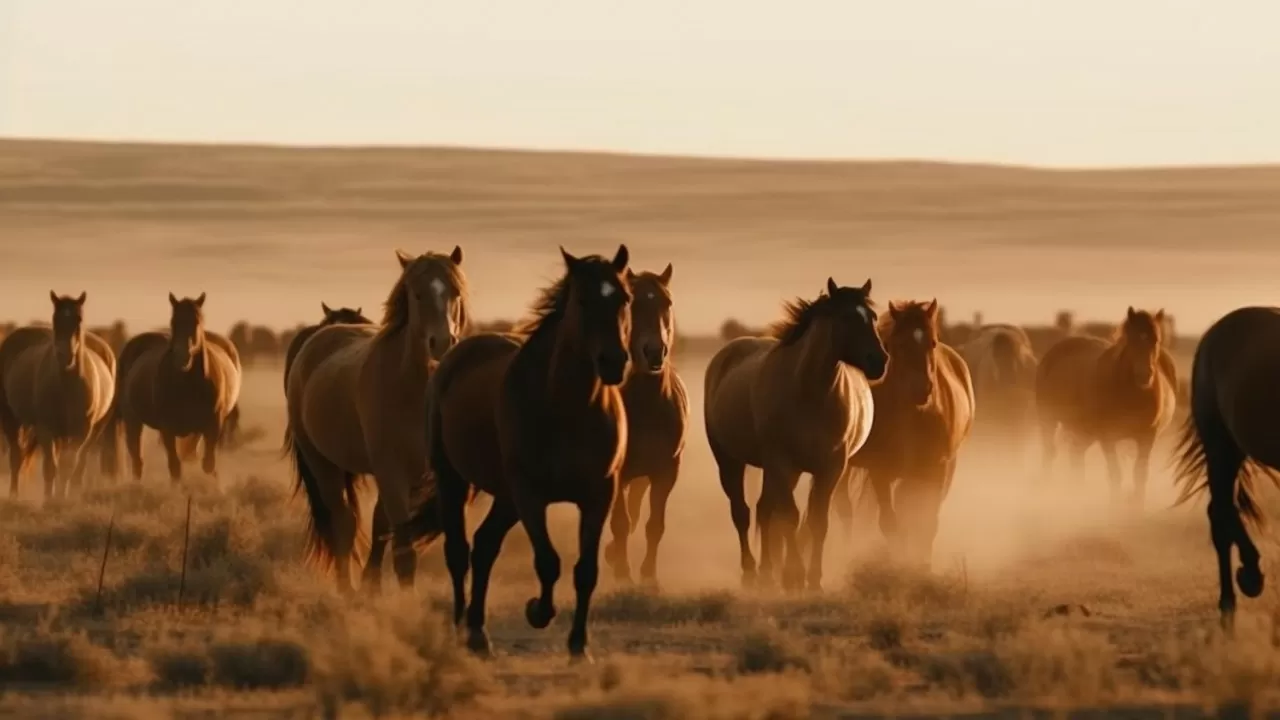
(798, 401)
(1230, 437)
(1105, 392)
(657, 407)
(1002, 365)
(355, 395)
(924, 411)
(535, 418)
(184, 383)
(57, 385)
(330, 316)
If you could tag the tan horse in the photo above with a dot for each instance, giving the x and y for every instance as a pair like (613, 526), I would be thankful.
(1107, 392)
(183, 382)
(797, 402)
(657, 414)
(924, 411)
(533, 420)
(340, 316)
(356, 398)
(1003, 367)
(56, 387)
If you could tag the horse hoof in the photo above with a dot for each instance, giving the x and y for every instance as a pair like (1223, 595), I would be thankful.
(539, 617)
(815, 586)
(649, 579)
(478, 644)
(749, 580)
(580, 656)
(1250, 580)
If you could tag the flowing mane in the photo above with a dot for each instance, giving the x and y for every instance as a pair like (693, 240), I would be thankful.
(546, 310)
(395, 309)
(798, 316)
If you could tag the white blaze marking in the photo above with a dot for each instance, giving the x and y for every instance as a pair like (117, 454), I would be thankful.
(918, 334)
(437, 287)
(866, 314)
(607, 289)
(649, 295)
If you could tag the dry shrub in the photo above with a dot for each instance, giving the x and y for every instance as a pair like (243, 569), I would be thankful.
(633, 605)
(1207, 664)
(45, 658)
(765, 649)
(661, 696)
(269, 661)
(396, 657)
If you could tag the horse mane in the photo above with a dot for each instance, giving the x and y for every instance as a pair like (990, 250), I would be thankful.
(798, 315)
(546, 310)
(911, 314)
(395, 309)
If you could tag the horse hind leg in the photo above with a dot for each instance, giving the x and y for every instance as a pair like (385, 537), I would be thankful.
(333, 519)
(50, 451)
(371, 579)
(133, 445)
(733, 482)
(17, 451)
(615, 552)
(170, 442)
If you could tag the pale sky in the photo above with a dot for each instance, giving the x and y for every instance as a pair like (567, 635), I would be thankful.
(1063, 82)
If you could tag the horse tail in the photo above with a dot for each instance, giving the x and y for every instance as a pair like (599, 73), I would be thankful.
(321, 536)
(230, 436)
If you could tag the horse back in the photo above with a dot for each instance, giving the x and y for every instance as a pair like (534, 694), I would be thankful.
(321, 389)
(22, 355)
(1068, 372)
(223, 371)
(462, 404)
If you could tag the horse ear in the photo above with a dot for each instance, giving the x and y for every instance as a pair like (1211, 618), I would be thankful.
(83, 296)
(1131, 312)
(53, 296)
(200, 301)
(456, 255)
(932, 307)
(404, 258)
(1159, 317)
(173, 300)
(894, 310)
(621, 258)
(630, 275)
(832, 287)
(665, 277)
(360, 310)
(569, 260)
(866, 287)
(325, 307)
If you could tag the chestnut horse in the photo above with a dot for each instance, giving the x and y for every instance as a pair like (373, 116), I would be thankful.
(797, 402)
(184, 382)
(1003, 367)
(1107, 392)
(56, 387)
(355, 401)
(657, 413)
(924, 411)
(1230, 437)
(532, 420)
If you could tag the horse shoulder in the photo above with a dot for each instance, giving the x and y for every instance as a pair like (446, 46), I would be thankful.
(229, 348)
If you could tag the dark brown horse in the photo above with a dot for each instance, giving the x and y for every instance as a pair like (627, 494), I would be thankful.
(1105, 392)
(532, 421)
(56, 387)
(355, 398)
(340, 316)
(1230, 437)
(184, 382)
(657, 413)
(797, 402)
(924, 410)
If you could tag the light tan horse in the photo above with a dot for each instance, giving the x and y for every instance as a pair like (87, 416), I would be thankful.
(357, 406)
(56, 386)
(1106, 392)
(182, 382)
(657, 414)
(797, 402)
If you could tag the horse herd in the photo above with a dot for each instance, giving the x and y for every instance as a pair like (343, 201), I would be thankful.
(581, 402)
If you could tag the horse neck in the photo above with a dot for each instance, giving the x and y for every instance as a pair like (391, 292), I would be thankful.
(1112, 370)
(77, 370)
(560, 356)
(818, 365)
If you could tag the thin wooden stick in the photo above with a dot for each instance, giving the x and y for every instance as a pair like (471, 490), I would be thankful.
(186, 541)
(102, 570)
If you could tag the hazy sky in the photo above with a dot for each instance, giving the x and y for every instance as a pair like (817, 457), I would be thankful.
(1065, 82)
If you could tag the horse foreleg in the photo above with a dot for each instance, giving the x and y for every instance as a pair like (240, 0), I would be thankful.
(818, 516)
(209, 463)
(1114, 475)
(925, 502)
(371, 580)
(1141, 470)
(842, 502)
(733, 482)
(784, 520)
(133, 444)
(50, 451)
(615, 553)
(660, 486)
(539, 611)
(487, 544)
(586, 572)
(170, 442)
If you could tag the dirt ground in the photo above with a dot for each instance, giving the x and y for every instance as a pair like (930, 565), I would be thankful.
(1041, 596)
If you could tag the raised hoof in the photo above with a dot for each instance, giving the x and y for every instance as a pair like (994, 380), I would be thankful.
(538, 616)
(1250, 580)
(478, 644)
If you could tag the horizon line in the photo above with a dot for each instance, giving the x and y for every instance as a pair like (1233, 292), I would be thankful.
(636, 154)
